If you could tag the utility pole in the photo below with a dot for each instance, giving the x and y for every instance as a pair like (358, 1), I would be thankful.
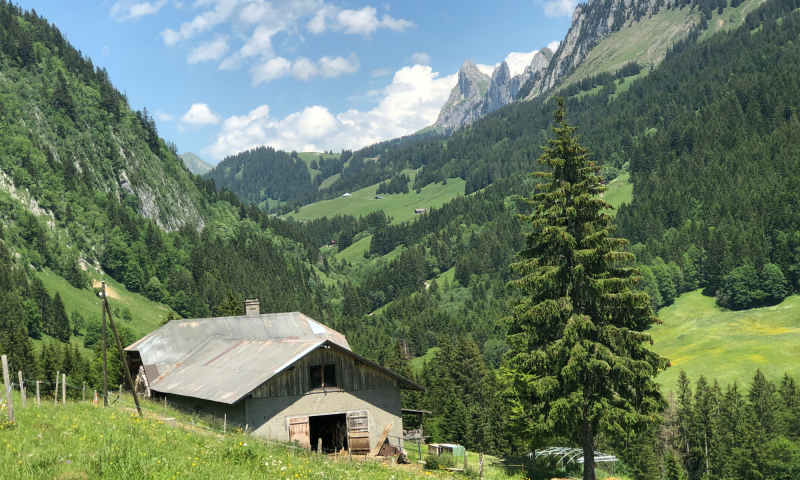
(122, 359)
(105, 364)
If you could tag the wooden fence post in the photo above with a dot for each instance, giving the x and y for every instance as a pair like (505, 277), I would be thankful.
(319, 445)
(7, 383)
(63, 389)
(38, 398)
(225, 424)
(83, 394)
(22, 390)
(103, 308)
(480, 465)
(120, 391)
(465, 459)
(165, 406)
(55, 399)
(125, 365)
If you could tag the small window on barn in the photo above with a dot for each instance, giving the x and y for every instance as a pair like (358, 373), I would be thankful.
(322, 376)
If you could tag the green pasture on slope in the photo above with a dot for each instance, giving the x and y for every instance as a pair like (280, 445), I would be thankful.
(619, 191)
(399, 206)
(147, 315)
(699, 337)
(355, 252)
(416, 363)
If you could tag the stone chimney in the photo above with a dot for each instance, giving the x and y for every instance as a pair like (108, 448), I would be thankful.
(251, 307)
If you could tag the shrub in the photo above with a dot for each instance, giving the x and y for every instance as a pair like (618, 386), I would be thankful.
(436, 462)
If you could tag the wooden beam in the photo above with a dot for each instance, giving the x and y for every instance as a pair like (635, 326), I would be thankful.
(377, 449)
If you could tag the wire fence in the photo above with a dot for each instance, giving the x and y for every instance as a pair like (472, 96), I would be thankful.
(156, 407)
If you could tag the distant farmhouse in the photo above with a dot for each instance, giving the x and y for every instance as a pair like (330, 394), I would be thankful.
(417, 211)
(346, 195)
(283, 374)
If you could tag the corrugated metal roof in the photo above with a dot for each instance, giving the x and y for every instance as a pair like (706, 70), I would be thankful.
(173, 341)
(226, 369)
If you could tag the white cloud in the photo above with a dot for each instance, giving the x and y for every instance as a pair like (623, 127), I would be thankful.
(330, 67)
(411, 102)
(381, 72)
(421, 58)
(270, 70)
(354, 22)
(163, 116)
(200, 114)
(517, 61)
(553, 45)
(487, 69)
(303, 68)
(358, 22)
(213, 50)
(205, 21)
(123, 10)
(559, 8)
(396, 24)
(259, 44)
(105, 50)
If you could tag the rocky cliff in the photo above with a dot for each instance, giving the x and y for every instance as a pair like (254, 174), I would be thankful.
(591, 23)
(476, 94)
(465, 99)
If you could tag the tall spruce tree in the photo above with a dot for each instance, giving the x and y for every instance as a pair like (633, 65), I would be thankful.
(577, 361)
(60, 327)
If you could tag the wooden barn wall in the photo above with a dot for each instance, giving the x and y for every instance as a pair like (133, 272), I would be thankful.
(349, 376)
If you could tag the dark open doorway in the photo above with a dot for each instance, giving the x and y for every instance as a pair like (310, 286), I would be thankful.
(332, 429)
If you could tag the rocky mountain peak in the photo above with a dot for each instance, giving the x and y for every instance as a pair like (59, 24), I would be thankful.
(466, 97)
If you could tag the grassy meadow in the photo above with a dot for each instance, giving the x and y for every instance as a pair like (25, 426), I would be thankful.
(147, 315)
(620, 190)
(699, 337)
(83, 441)
(399, 206)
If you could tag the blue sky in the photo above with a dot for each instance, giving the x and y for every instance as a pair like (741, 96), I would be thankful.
(221, 76)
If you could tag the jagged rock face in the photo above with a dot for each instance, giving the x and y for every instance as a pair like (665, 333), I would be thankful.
(467, 103)
(499, 94)
(533, 73)
(591, 23)
(460, 108)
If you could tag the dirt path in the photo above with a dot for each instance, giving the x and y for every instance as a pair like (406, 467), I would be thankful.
(109, 291)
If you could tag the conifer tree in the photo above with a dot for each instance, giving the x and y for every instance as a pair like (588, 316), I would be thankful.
(60, 328)
(577, 360)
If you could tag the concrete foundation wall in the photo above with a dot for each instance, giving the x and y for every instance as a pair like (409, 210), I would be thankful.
(269, 415)
(236, 413)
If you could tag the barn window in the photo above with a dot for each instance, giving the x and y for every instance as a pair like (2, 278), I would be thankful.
(322, 376)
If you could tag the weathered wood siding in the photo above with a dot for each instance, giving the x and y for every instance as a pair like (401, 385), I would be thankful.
(349, 376)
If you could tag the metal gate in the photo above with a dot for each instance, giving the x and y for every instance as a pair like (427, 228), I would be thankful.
(299, 431)
(358, 431)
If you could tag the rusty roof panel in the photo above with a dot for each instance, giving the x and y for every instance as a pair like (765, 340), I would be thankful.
(173, 341)
(226, 369)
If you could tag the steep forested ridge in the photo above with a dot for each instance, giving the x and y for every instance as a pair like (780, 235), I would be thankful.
(264, 173)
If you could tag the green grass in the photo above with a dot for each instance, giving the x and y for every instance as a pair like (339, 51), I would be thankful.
(643, 42)
(620, 190)
(309, 156)
(80, 441)
(399, 206)
(699, 337)
(416, 363)
(147, 315)
(355, 252)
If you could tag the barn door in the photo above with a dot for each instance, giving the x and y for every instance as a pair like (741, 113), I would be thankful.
(298, 431)
(358, 430)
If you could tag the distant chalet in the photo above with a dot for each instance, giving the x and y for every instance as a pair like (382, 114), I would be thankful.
(283, 374)
(417, 211)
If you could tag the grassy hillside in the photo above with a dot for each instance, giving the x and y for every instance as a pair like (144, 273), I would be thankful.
(79, 441)
(697, 336)
(309, 156)
(620, 190)
(399, 206)
(147, 315)
(647, 41)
